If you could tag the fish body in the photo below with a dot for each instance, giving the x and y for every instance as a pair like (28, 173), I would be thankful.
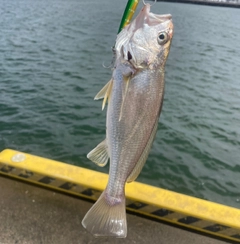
(135, 97)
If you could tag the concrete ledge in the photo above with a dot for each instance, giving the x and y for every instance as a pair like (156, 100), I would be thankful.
(35, 215)
(179, 209)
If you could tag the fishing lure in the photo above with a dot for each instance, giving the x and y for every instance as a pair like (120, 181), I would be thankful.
(128, 13)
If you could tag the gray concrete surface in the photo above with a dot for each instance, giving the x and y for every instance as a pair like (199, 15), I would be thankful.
(33, 215)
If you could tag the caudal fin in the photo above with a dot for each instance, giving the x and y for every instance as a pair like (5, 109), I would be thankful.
(104, 219)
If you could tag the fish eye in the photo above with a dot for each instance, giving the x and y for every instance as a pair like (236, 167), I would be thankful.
(162, 38)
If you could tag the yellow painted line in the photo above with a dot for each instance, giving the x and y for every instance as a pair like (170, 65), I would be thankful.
(194, 213)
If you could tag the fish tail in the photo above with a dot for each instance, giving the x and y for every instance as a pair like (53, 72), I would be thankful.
(107, 217)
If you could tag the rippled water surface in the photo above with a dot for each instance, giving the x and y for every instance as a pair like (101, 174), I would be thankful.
(51, 55)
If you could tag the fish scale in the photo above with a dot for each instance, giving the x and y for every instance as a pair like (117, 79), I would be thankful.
(133, 131)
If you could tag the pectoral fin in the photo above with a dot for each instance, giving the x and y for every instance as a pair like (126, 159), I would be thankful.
(138, 168)
(127, 80)
(105, 93)
(99, 155)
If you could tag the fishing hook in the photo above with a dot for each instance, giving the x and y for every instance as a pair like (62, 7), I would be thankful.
(113, 59)
(107, 67)
(150, 4)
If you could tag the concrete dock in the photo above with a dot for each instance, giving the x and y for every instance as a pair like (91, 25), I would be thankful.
(34, 215)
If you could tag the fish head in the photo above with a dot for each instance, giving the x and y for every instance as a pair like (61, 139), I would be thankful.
(145, 42)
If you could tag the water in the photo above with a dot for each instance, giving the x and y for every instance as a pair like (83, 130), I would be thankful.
(51, 57)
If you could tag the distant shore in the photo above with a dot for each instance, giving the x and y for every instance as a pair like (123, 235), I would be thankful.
(206, 2)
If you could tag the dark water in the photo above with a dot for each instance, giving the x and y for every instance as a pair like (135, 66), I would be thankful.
(51, 55)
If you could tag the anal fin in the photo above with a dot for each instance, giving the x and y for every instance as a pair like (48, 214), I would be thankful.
(99, 155)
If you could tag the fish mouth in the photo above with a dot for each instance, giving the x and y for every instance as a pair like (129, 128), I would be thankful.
(145, 17)
(151, 19)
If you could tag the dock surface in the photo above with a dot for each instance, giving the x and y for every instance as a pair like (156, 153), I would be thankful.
(34, 215)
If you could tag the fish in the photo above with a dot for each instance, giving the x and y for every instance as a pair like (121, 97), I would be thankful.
(135, 97)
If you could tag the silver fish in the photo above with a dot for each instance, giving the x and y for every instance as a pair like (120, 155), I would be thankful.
(135, 97)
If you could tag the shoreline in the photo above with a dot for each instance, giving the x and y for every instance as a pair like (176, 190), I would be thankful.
(204, 2)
